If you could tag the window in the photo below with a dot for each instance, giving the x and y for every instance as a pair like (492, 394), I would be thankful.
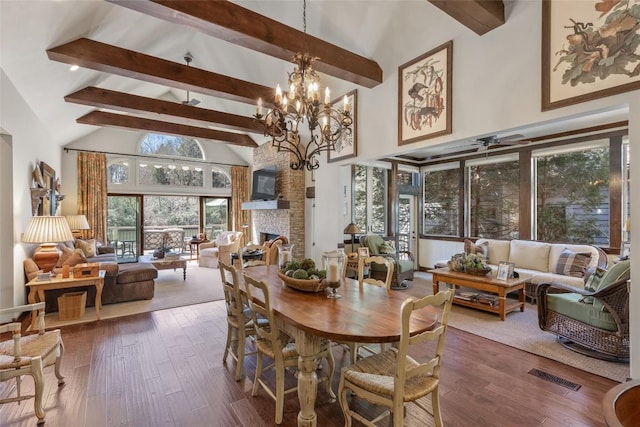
(220, 179)
(370, 198)
(494, 193)
(441, 196)
(118, 172)
(572, 194)
(160, 173)
(168, 145)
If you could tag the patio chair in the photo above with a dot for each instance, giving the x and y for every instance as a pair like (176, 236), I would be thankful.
(28, 355)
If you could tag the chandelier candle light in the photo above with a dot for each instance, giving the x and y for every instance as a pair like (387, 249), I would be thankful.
(302, 103)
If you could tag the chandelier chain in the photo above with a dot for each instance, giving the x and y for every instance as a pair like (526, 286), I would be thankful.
(301, 103)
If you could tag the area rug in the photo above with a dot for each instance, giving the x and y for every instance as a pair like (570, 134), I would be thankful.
(521, 330)
(201, 285)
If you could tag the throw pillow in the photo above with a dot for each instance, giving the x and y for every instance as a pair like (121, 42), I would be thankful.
(66, 253)
(387, 248)
(481, 249)
(592, 285)
(572, 264)
(88, 247)
(77, 257)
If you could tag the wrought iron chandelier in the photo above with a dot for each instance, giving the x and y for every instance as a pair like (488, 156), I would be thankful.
(302, 103)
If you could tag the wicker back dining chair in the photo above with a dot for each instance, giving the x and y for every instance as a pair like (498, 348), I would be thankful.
(362, 261)
(239, 323)
(28, 355)
(278, 347)
(393, 378)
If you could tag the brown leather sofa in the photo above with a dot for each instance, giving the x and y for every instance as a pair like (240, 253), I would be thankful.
(122, 283)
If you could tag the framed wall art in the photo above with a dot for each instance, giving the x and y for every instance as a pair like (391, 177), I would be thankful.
(48, 205)
(347, 145)
(590, 50)
(424, 95)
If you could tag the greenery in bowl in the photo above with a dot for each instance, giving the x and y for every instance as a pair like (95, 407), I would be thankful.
(303, 270)
(468, 262)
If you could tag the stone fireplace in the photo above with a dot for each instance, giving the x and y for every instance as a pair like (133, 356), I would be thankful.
(290, 185)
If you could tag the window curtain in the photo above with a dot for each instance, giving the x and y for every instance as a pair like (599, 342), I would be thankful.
(92, 193)
(241, 220)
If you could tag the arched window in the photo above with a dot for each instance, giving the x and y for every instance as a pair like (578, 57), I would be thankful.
(220, 179)
(165, 172)
(168, 145)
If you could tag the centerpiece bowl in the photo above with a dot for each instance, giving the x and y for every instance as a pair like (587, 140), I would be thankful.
(305, 285)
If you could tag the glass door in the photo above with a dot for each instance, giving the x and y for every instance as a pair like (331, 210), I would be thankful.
(215, 216)
(124, 225)
(407, 240)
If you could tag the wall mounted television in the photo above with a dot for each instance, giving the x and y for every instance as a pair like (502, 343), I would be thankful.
(264, 184)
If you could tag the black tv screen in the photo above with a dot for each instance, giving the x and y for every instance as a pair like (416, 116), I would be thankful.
(264, 184)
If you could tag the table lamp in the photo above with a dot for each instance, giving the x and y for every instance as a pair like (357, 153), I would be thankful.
(353, 230)
(48, 231)
(77, 223)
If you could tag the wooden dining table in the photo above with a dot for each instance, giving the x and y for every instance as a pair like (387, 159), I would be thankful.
(364, 314)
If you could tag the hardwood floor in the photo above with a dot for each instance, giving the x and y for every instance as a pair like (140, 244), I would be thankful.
(164, 368)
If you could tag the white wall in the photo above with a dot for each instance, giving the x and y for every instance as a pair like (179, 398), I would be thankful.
(31, 144)
(6, 219)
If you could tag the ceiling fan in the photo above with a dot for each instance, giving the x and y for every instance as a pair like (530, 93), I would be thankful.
(493, 141)
(193, 102)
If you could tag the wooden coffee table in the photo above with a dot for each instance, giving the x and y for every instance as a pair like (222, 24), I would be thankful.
(487, 284)
(166, 263)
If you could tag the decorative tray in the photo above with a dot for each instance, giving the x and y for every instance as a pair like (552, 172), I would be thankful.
(308, 285)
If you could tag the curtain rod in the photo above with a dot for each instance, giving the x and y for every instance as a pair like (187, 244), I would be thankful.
(66, 149)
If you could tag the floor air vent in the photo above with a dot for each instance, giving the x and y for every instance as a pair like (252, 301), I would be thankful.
(554, 379)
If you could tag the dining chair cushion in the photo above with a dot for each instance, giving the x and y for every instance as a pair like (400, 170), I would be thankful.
(376, 373)
(32, 345)
(288, 351)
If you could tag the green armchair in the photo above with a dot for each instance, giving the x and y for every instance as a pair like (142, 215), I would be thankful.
(593, 321)
(403, 261)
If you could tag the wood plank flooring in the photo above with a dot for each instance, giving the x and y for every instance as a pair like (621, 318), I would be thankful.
(165, 369)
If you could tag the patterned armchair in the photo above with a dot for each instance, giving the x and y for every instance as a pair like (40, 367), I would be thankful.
(220, 249)
(403, 261)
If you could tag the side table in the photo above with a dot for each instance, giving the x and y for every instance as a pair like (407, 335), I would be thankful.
(195, 243)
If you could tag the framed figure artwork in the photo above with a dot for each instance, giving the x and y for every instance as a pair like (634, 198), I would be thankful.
(590, 49)
(347, 145)
(424, 95)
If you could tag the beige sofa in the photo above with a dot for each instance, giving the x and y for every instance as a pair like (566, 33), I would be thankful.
(538, 260)
(220, 249)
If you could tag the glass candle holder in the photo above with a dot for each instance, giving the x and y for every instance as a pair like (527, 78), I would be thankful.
(334, 266)
(285, 255)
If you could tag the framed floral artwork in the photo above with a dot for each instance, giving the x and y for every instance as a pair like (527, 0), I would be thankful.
(347, 145)
(424, 95)
(590, 49)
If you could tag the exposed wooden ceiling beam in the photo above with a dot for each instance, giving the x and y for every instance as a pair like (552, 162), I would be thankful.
(128, 63)
(163, 110)
(101, 118)
(243, 27)
(480, 16)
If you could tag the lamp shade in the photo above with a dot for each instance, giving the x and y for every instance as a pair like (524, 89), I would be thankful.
(352, 229)
(47, 229)
(78, 222)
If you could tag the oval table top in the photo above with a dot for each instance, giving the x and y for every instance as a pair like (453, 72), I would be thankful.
(364, 314)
